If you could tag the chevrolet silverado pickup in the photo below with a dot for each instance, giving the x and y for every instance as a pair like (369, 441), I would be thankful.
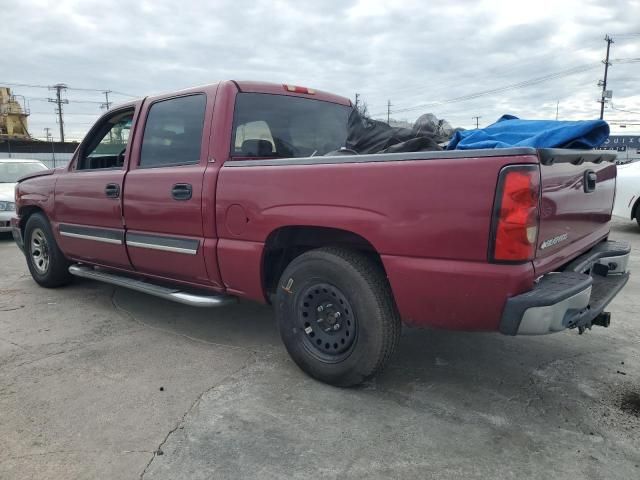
(241, 190)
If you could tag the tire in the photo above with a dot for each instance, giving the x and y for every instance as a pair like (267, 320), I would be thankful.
(47, 264)
(354, 295)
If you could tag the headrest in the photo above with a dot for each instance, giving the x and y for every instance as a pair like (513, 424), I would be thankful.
(257, 148)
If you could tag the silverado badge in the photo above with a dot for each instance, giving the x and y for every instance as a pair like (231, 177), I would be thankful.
(554, 241)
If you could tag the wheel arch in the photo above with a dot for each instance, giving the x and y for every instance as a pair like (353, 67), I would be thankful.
(26, 212)
(635, 209)
(288, 242)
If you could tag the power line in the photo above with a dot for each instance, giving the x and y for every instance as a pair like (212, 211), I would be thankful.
(45, 99)
(67, 113)
(625, 111)
(525, 83)
(82, 89)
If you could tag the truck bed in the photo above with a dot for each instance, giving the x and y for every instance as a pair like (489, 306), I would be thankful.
(427, 214)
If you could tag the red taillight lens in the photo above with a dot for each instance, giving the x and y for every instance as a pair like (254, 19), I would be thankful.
(515, 221)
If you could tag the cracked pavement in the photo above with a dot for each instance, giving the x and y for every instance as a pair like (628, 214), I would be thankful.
(97, 382)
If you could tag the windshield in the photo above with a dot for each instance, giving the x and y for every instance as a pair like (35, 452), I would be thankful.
(282, 126)
(10, 172)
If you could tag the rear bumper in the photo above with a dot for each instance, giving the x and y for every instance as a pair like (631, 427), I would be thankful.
(573, 298)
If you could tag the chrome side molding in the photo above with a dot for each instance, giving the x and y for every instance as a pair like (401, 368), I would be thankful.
(173, 294)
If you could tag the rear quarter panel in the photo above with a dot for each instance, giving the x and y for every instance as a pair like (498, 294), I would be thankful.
(423, 208)
(428, 219)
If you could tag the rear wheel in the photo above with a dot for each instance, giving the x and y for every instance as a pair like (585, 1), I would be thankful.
(47, 264)
(336, 315)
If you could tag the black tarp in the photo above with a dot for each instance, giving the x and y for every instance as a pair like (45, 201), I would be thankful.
(366, 136)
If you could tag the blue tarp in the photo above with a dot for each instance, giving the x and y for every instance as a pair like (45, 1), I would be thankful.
(510, 131)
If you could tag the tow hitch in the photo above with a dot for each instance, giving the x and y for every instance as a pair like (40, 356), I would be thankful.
(602, 320)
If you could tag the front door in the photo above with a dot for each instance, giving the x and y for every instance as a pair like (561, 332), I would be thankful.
(88, 214)
(163, 190)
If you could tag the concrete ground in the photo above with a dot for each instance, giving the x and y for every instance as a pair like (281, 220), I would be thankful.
(97, 382)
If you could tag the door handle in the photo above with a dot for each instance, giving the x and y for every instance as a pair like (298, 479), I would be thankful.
(112, 190)
(182, 191)
(590, 181)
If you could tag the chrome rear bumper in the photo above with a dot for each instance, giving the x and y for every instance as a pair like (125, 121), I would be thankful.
(573, 298)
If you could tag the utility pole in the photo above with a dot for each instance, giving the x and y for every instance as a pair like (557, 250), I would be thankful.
(388, 111)
(107, 104)
(53, 150)
(609, 41)
(557, 108)
(59, 101)
(357, 100)
(477, 119)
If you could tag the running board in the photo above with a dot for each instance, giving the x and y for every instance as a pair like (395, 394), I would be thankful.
(173, 294)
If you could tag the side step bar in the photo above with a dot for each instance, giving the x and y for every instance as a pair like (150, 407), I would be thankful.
(174, 294)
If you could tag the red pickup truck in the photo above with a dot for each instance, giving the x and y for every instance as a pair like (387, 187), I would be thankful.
(226, 191)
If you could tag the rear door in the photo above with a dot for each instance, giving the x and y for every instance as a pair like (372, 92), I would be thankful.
(578, 190)
(88, 197)
(163, 190)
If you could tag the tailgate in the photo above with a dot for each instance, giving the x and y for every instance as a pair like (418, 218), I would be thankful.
(578, 189)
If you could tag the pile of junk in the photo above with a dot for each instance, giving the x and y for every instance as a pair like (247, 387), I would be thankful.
(428, 133)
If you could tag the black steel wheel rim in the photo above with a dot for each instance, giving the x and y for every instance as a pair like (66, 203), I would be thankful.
(327, 321)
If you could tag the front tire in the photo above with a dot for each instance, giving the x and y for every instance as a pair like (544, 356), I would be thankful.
(336, 316)
(47, 264)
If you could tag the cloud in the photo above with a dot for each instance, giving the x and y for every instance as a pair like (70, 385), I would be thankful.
(407, 52)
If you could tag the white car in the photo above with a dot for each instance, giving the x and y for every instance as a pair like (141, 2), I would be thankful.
(11, 169)
(627, 204)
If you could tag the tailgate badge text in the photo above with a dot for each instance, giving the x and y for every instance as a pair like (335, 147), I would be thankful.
(554, 241)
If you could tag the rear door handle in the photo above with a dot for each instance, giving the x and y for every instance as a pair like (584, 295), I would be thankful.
(182, 191)
(112, 190)
(590, 181)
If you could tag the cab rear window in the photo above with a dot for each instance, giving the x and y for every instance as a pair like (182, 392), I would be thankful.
(280, 126)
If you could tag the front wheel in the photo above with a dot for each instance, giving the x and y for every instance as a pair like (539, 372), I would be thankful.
(336, 315)
(47, 264)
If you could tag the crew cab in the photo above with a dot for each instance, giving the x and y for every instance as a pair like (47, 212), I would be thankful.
(241, 190)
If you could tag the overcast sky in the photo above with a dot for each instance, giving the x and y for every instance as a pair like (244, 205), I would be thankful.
(411, 53)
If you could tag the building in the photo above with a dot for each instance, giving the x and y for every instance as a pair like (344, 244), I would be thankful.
(13, 116)
(626, 146)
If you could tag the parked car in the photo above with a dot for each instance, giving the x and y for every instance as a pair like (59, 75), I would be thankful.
(627, 203)
(11, 169)
(225, 191)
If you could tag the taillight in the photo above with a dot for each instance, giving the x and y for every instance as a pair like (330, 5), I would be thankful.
(514, 230)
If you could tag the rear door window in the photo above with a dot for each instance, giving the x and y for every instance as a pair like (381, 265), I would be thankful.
(173, 132)
(281, 126)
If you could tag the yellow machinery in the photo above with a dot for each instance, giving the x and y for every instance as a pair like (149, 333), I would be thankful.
(13, 117)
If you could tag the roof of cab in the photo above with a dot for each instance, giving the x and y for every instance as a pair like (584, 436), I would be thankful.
(281, 89)
(248, 86)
